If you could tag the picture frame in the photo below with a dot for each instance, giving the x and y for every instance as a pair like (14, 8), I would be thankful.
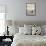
(30, 9)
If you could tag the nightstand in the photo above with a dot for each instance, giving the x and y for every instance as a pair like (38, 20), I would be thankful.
(7, 40)
(7, 43)
(4, 41)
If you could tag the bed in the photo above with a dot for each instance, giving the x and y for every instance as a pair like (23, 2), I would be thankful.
(29, 40)
(24, 39)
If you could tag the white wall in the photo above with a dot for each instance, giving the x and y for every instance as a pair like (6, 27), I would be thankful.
(16, 10)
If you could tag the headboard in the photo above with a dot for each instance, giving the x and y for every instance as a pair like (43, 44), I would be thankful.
(21, 23)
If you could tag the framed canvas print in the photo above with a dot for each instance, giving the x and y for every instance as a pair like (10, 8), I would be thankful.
(30, 9)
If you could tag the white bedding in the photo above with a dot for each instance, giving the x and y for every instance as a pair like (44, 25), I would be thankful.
(29, 40)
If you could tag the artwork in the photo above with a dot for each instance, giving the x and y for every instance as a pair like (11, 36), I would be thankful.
(30, 9)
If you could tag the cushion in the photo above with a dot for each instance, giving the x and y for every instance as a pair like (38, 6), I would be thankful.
(28, 26)
(36, 30)
(24, 30)
(28, 31)
(13, 30)
(44, 29)
(21, 30)
(33, 30)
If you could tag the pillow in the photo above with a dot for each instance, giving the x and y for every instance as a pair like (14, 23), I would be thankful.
(28, 29)
(23, 30)
(44, 26)
(44, 29)
(33, 30)
(36, 30)
(28, 26)
(13, 30)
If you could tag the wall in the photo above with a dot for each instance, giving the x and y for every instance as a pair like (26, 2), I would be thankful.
(16, 10)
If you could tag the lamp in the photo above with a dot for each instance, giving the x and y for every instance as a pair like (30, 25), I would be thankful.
(8, 23)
